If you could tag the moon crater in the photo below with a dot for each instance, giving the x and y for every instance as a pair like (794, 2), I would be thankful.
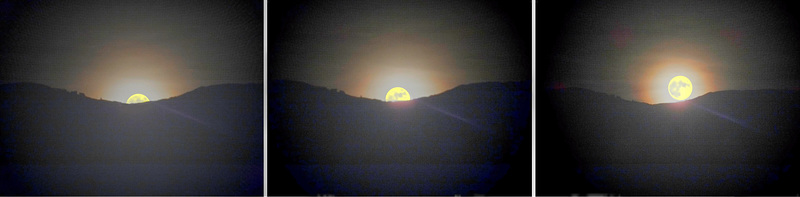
(680, 88)
(398, 94)
(137, 98)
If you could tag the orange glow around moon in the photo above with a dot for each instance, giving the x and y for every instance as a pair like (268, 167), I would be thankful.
(420, 65)
(657, 66)
(123, 68)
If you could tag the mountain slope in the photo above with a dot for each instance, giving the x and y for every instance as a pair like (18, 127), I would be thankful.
(721, 143)
(211, 126)
(476, 124)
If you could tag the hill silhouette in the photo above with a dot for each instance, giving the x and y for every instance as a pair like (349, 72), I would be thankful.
(722, 143)
(207, 141)
(473, 139)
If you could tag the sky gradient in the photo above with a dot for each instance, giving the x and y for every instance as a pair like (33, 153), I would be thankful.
(633, 48)
(114, 49)
(365, 48)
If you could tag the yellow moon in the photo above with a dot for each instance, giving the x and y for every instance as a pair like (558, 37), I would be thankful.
(137, 98)
(680, 88)
(398, 94)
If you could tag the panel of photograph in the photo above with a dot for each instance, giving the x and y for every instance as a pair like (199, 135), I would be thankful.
(667, 98)
(399, 97)
(131, 97)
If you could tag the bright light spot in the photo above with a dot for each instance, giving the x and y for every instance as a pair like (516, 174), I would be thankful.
(398, 94)
(137, 98)
(122, 89)
(680, 88)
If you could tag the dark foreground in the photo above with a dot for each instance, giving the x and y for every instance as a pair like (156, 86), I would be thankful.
(473, 139)
(721, 143)
(206, 142)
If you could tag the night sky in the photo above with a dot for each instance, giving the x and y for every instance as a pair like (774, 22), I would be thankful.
(114, 49)
(367, 47)
(632, 48)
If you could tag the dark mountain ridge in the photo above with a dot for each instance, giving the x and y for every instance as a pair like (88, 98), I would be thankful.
(288, 99)
(43, 128)
(728, 142)
(471, 125)
(41, 113)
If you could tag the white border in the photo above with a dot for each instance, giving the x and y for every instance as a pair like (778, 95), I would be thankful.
(533, 100)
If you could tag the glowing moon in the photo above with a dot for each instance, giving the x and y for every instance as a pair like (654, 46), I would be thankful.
(398, 94)
(680, 88)
(137, 98)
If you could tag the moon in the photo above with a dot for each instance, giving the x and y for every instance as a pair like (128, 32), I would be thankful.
(398, 94)
(137, 98)
(680, 88)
